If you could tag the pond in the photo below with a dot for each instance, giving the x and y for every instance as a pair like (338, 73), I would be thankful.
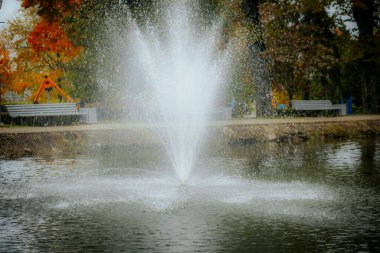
(310, 197)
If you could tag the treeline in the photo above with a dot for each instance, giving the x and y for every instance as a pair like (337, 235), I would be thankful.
(315, 53)
(321, 49)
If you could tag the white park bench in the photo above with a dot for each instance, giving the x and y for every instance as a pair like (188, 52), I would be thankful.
(318, 105)
(52, 110)
(221, 113)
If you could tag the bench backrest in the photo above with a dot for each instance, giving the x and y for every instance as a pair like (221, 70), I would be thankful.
(312, 105)
(33, 110)
(221, 113)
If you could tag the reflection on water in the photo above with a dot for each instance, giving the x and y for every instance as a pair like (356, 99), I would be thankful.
(345, 156)
(259, 197)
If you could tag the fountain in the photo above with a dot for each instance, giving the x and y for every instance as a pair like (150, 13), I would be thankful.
(251, 197)
(183, 68)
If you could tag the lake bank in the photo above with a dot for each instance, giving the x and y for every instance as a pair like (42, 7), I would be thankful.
(22, 141)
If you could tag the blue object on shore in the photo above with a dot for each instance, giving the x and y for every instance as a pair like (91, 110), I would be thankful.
(349, 105)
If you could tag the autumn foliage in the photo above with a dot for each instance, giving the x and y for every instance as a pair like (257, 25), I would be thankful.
(50, 37)
(5, 68)
(54, 10)
(310, 52)
(38, 43)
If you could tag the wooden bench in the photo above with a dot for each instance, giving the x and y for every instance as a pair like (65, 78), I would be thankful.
(49, 110)
(318, 105)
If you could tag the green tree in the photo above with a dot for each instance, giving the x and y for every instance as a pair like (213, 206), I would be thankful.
(302, 44)
(360, 52)
(100, 72)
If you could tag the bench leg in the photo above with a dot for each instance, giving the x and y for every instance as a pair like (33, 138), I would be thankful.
(343, 110)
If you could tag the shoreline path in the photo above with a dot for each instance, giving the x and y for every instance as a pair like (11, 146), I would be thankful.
(234, 122)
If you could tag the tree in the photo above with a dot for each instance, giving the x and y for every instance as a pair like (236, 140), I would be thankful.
(18, 62)
(52, 38)
(259, 61)
(30, 52)
(57, 10)
(361, 51)
(52, 44)
(101, 30)
(363, 13)
(303, 44)
(5, 70)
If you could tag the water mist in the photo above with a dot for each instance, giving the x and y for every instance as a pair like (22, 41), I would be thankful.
(180, 67)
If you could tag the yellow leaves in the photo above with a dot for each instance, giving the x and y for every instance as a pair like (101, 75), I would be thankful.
(4, 58)
(31, 48)
(300, 64)
(279, 96)
(6, 72)
(20, 85)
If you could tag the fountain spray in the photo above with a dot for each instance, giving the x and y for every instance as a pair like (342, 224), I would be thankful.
(182, 64)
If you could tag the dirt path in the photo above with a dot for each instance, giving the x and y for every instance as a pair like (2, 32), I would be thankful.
(238, 122)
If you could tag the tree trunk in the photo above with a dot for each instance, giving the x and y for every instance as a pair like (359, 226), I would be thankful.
(258, 59)
(363, 11)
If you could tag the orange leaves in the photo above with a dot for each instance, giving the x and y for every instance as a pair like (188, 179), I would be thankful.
(9, 74)
(75, 2)
(52, 48)
(4, 58)
(21, 85)
(50, 37)
(5, 67)
(32, 46)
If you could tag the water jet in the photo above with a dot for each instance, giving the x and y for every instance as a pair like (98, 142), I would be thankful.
(182, 184)
(184, 66)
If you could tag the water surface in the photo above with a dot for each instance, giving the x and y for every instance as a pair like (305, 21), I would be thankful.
(243, 198)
